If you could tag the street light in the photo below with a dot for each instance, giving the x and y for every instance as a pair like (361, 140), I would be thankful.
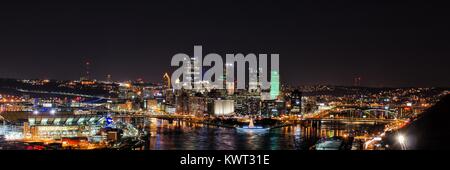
(402, 140)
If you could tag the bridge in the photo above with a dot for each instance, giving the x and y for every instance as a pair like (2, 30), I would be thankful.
(355, 114)
(364, 112)
(352, 120)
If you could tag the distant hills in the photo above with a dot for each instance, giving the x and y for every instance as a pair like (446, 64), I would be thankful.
(16, 87)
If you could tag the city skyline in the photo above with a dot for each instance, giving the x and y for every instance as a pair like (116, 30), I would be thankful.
(393, 45)
(212, 84)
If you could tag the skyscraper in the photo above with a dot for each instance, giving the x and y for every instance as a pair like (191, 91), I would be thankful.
(108, 78)
(274, 85)
(166, 81)
(87, 71)
(193, 74)
(296, 101)
(229, 86)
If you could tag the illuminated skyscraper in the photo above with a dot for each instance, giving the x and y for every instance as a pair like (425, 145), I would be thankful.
(197, 73)
(252, 81)
(229, 86)
(193, 74)
(274, 85)
(166, 80)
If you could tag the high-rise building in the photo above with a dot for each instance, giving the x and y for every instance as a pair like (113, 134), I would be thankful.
(357, 81)
(198, 104)
(87, 71)
(197, 73)
(269, 108)
(252, 81)
(166, 81)
(296, 102)
(193, 74)
(229, 86)
(182, 102)
(108, 78)
(274, 85)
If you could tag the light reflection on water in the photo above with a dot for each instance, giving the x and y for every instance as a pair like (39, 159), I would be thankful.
(180, 135)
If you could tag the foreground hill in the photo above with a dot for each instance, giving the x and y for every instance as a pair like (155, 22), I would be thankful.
(431, 131)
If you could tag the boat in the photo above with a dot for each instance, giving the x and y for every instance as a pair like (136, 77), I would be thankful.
(329, 144)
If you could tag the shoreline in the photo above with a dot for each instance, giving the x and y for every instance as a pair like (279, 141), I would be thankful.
(233, 126)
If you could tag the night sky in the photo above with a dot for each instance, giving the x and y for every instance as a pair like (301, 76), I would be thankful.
(387, 44)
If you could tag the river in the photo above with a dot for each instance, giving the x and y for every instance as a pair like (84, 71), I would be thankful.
(181, 135)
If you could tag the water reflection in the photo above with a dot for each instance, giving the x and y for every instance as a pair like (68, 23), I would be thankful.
(180, 135)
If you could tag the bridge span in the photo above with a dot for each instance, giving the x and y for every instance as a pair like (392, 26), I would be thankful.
(352, 120)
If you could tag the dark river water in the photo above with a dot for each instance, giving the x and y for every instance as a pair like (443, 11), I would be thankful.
(180, 135)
